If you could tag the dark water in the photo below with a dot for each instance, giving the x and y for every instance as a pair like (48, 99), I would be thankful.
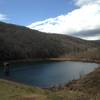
(46, 74)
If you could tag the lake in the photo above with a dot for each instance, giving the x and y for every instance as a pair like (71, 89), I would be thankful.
(47, 74)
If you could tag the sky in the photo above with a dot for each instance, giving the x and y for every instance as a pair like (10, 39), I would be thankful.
(80, 18)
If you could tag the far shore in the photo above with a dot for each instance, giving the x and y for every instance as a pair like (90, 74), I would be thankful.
(52, 59)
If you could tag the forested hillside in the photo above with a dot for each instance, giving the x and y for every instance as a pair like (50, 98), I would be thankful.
(18, 42)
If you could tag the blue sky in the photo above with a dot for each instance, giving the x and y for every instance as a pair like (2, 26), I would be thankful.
(80, 18)
(24, 12)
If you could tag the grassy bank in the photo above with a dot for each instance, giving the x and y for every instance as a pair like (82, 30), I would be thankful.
(13, 91)
(86, 88)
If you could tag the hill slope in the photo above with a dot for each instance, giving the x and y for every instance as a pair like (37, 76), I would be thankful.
(18, 42)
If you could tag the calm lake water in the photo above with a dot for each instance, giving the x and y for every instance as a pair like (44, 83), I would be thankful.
(46, 74)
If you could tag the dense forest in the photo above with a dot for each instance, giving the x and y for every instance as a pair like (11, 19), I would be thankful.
(19, 42)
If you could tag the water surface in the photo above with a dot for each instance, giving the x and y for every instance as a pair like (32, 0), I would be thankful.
(46, 74)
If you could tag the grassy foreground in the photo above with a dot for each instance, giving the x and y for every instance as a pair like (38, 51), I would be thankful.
(87, 88)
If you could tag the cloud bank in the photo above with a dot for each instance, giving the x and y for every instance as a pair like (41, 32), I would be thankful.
(85, 19)
(86, 2)
(3, 17)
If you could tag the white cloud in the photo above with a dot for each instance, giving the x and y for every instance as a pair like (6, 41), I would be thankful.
(92, 37)
(86, 17)
(86, 2)
(3, 17)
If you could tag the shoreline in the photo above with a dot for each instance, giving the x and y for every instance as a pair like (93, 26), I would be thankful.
(52, 88)
(52, 60)
(74, 87)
